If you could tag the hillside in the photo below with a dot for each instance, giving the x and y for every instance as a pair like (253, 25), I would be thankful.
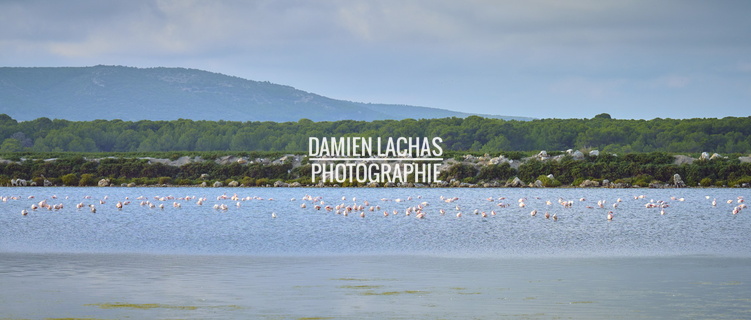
(132, 94)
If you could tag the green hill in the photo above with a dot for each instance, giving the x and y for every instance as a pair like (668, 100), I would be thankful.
(132, 94)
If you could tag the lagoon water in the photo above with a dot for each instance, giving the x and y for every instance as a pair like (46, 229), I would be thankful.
(198, 262)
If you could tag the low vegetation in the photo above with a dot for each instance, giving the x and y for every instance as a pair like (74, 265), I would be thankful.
(267, 168)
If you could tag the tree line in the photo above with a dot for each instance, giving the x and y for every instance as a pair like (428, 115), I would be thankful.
(474, 134)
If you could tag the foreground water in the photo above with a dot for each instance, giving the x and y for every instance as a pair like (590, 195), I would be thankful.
(200, 262)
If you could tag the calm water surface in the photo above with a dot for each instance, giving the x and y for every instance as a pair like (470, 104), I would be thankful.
(198, 262)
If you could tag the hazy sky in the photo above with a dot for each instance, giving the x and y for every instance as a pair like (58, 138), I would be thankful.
(538, 58)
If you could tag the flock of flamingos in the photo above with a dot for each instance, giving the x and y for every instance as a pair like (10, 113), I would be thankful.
(416, 207)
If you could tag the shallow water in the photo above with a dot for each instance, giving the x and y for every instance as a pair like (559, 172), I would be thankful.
(197, 262)
(136, 286)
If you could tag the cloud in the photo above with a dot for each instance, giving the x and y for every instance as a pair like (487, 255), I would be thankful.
(596, 89)
(192, 26)
(376, 51)
(671, 81)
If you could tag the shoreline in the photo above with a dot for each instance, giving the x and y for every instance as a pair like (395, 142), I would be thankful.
(398, 186)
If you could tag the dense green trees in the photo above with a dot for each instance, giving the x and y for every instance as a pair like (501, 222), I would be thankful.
(644, 148)
(727, 135)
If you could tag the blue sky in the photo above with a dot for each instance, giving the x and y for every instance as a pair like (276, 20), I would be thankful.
(538, 58)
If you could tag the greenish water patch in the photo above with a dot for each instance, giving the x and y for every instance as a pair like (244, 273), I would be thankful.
(73, 319)
(360, 287)
(350, 279)
(147, 306)
(140, 306)
(581, 302)
(314, 318)
(526, 315)
(360, 279)
(461, 291)
(394, 293)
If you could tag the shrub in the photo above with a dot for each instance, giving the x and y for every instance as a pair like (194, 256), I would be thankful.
(38, 180)
(247, 181)
(87, 179)
(70, 179)
(549, 183)
(458, 171)
(643, 180)
(471, 180)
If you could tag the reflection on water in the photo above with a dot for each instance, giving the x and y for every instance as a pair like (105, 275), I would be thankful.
(197, 262)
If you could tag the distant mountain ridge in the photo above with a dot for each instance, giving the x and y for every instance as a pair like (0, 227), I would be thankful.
(132, 94)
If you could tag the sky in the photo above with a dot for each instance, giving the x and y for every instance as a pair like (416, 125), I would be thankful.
(536, 58)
